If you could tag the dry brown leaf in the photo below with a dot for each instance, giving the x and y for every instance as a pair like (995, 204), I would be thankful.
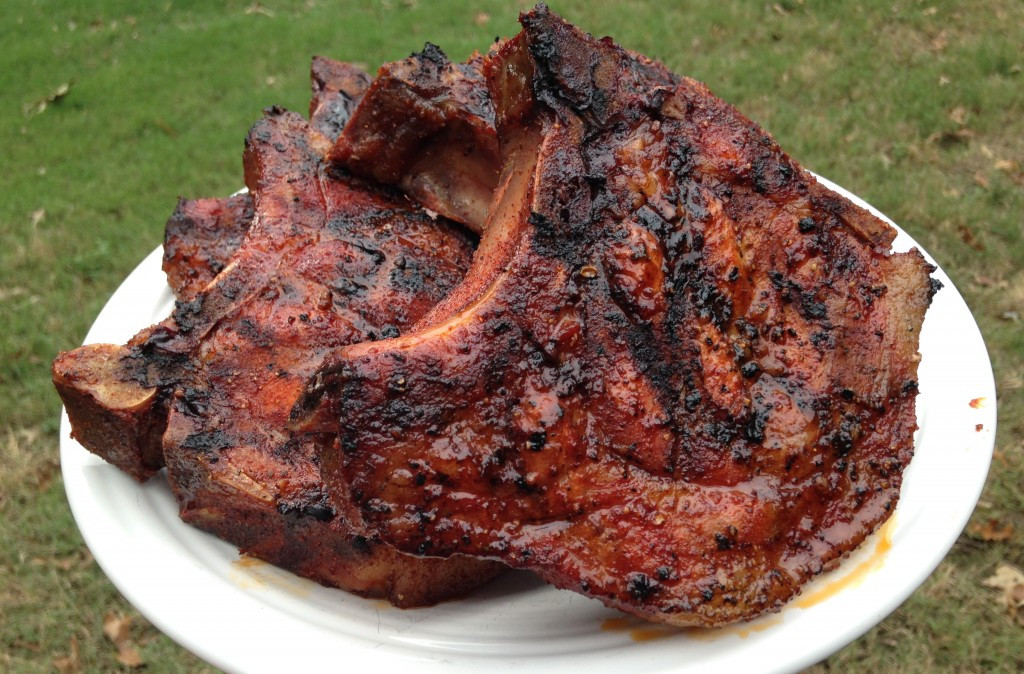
(117, 629)
(39, 106)
(44, 475)
(981, 180)
(32, 646)
(992, 530)
(1009, 580)
(1011, 381)
(1006, 165)
(67, 563)
(481, 18)
(69, 664)
(129, 657)
(968, 237)
(958, 115)
(38, 216)
(947, 138)
(7, 293)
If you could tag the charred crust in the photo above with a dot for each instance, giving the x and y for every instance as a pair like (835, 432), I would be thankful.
(806, 225)
(186, 313)
(641, 587)
(209, 443)
(434, 54)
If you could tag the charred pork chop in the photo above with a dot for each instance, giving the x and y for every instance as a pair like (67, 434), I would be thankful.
(680, 376)
(203, 234)
(326, 261)
(200, 239)
(427, 125)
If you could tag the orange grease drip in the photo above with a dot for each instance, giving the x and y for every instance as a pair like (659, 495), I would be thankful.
(252, 573)
(978, 403)
(247, 562)
(640, 630)
(651, 633)
(615, 624)
(857, 575)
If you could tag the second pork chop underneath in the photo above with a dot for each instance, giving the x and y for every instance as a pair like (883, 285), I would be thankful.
(325, 260)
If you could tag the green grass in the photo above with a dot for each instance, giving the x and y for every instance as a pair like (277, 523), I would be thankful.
(918, 107)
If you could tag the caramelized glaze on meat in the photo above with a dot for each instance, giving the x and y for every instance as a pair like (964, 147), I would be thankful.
(337, 89)
(200, 239)
(327, 261)
(427, 126)
(203, 234)
(680, 376)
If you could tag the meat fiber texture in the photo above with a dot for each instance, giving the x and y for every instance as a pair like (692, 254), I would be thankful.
(268, 283)
(680, 375)
(427, 125)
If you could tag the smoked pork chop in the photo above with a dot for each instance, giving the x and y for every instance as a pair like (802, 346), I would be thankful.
(427, 125)
(680, 376)
(200, 239)
(203, 234)
(326, 261)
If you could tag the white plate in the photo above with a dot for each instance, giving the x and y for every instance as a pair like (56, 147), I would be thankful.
(251, 617)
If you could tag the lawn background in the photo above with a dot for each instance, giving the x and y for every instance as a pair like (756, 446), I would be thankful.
(109, 110)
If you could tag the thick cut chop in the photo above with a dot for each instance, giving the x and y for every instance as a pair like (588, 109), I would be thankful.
(355, 265)
(427, 125)
(112, 414)
(203, 234)
(680, 375)
(337, 89)
(200, 239)
(327, 261)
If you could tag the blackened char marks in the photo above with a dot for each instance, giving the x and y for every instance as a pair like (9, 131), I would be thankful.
(654, 327)
(337, 89)
(426, 125)
(215, 381)
(200, 239)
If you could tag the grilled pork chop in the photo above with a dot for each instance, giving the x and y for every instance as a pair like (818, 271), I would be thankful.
(327, 260)
(123, 421)
(680, 376)
(200, 239)
(427, 125)
(203, 234)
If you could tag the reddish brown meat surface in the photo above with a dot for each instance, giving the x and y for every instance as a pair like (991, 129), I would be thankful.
(680, 375)
(427, 126)
(337, 89)
(326, 261)
(203, 234)
(355, 265)
(200, 238)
